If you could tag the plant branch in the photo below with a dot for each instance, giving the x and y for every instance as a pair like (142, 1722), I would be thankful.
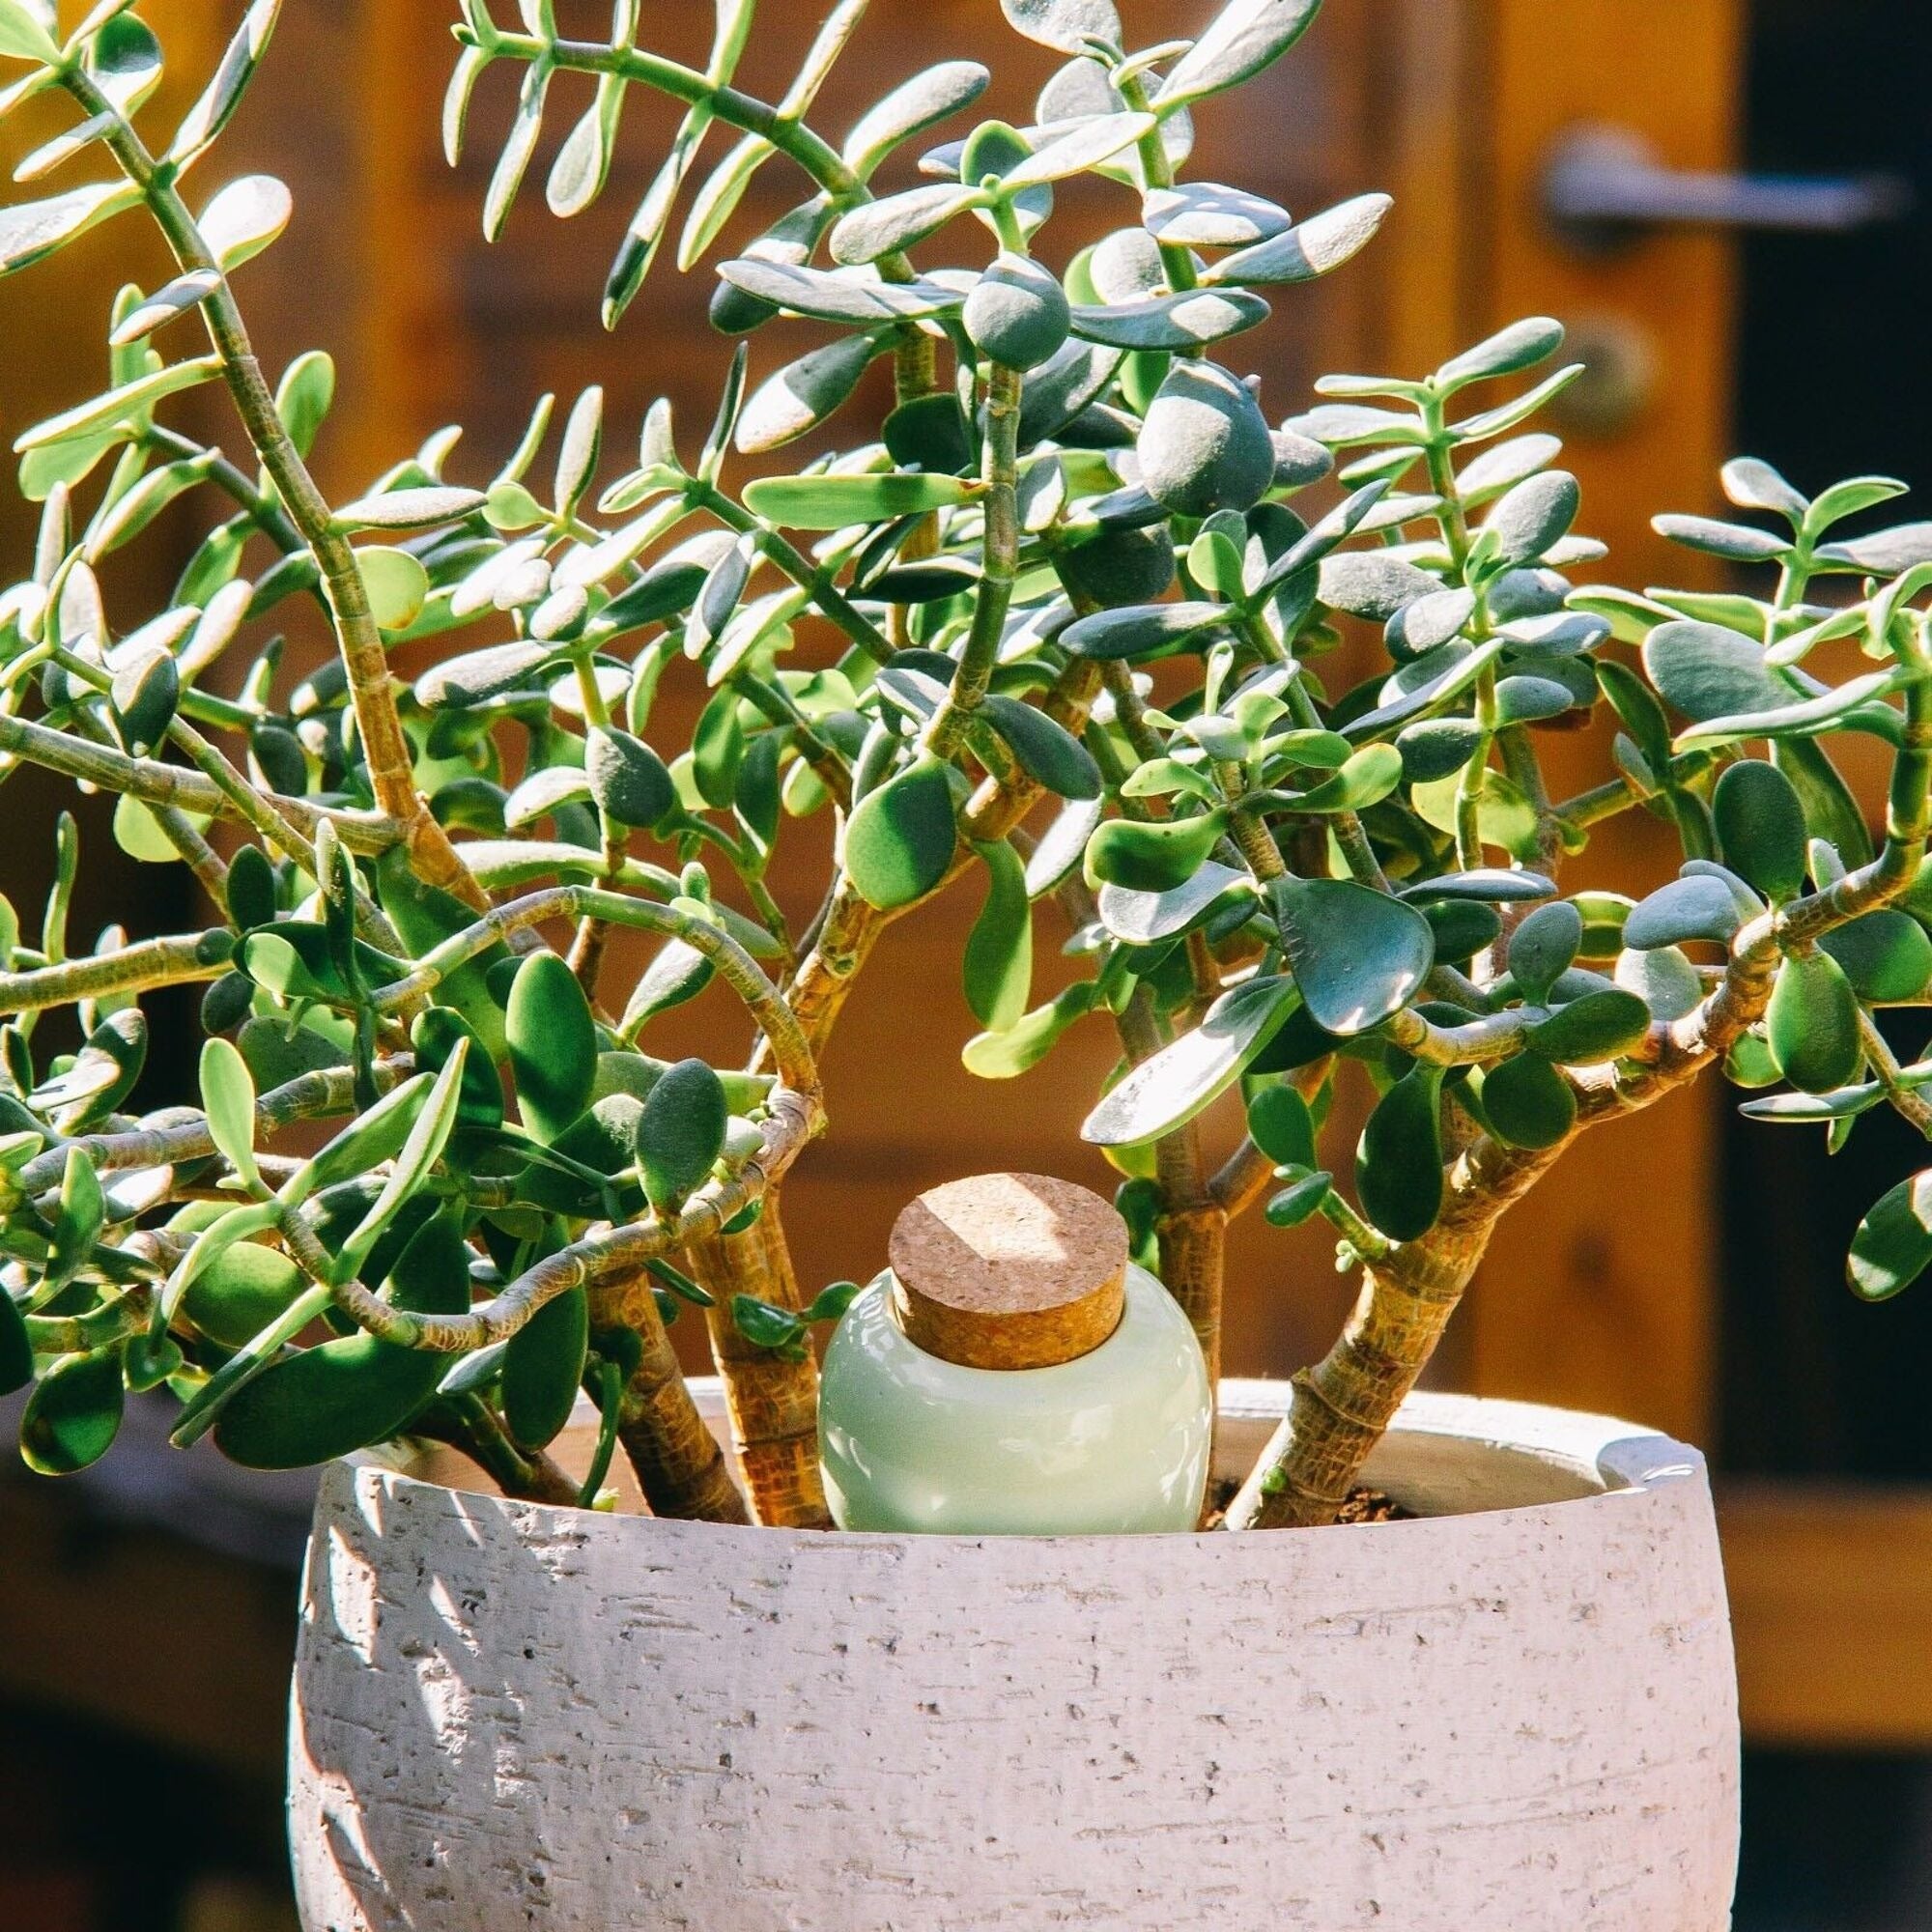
(736, 109)
(999, 567)
(182, 961)
(156, 782)
(391, 762)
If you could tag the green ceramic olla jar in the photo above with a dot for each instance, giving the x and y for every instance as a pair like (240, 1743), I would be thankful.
(1013, 1372)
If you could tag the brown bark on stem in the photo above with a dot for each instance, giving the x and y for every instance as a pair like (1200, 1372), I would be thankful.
(679, 1465)
(1193, 1243)
(1344, 1404)
(773, 1400)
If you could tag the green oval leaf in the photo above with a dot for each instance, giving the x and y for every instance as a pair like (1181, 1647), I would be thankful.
(553, 1045)
(895, 221)
(1046, 750)
(1168, 1090)
(252, 898)
(1894, 1244)
(1696, 906)
(1063, 24)
(1003, 1056)
(1522, 346)
(900, 838)
(1399, 1159)
(1142, 631)
(1597, 1026)
(1245, 36)
(911, 107)
(1300, 1200)
(344, 1395)
(999, 949)
(1151, 856)
(1812, 1023)
(434, 1037)
(1886, 955)
(1760, 822)
(228, 1096)
(30, 230)
(127, 403)
(1528, 1102)
(244, 217)
(429, 1134)
(73, 1414)
(1187, 321)
(1461, 928)
(1706, 672)
(1017, 315)
(16, 1351)
(1357, 955)
(837, 298)
(832, 502)
(1369, 776)
(1206, 215)
(1281, 1125)
(630, 782)
(1543, 948)
(397, 584)
(800, 395)
(680, 1132)
(409, 509)
(143, 700)
(1142, 917)
(1528, 520)
(1310, 249)
(241, 1292)
(543, 1366)
(24, 38)
(1204, 445)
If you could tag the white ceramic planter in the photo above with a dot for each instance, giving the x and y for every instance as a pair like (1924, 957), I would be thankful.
(1514, 1714)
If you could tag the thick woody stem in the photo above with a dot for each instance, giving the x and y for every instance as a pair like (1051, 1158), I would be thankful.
(1344, 1404)
(679, 1465)
(773, 1398)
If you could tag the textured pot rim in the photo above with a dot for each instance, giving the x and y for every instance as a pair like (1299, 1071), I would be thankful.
(1621, 1460)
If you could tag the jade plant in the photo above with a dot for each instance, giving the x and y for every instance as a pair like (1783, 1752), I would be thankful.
(1061, 628)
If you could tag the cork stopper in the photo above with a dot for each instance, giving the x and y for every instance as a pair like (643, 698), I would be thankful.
(1008, 1271)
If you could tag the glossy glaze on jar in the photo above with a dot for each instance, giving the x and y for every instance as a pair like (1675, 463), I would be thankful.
(1114, 1441)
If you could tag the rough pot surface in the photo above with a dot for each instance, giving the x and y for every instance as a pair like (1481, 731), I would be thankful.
(1517, 1717)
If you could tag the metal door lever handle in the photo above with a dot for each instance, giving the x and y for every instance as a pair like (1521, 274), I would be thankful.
(1603, 186)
